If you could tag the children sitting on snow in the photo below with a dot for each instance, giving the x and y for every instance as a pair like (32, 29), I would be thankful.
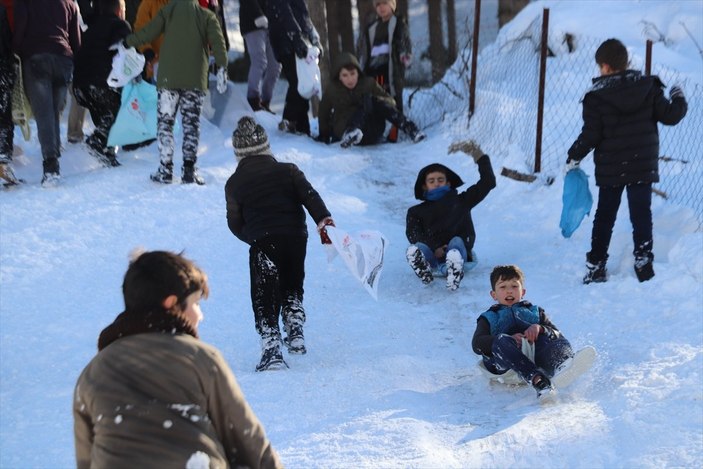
(501, 330)
(354, 108)
(440, 228)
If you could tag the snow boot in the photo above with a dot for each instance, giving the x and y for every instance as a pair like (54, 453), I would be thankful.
(51, 175)
(419, 264)
(542, 385)
(271, 356)
(164, 174)
(189, 174)
(293, 319)
(351, 137)
(295, 342)
(455, 269)
(8, 175)
(255, 103)
(644, 268)
(596, 273)
(415, 134)
(105, 155)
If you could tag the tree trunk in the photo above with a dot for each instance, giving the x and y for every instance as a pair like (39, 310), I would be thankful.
(333, 28)
(319, 19)
(437, 51)
(451, 32)
(366, 13)
(346, 25)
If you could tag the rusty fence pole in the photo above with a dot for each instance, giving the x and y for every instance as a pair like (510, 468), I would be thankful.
(540, 97)
(648, 59)
(474, 56)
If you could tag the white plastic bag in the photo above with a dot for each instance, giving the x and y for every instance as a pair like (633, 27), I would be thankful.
(363, 254)
(308, 71)
(126, 64)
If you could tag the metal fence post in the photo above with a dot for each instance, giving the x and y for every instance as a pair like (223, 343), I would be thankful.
(540, 99)
(648, 59)
(474, 55)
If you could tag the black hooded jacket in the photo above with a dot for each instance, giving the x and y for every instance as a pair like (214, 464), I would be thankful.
(620, 116)
(434, 223)
(93, 62)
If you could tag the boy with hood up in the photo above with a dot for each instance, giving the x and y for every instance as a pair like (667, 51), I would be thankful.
(354, 108)
(440, 229)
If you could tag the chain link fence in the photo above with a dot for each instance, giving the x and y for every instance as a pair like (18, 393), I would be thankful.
(506, 107)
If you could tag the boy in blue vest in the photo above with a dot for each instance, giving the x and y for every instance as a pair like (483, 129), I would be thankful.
(501, 329)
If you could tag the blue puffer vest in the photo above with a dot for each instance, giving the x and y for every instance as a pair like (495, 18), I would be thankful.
(511, 319)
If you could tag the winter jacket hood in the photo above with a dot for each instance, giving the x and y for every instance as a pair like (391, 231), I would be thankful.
(453, 178)
(345, 60)
(627, 91)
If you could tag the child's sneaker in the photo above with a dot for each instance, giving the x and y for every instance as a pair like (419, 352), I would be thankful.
(163, 175)
(415, 134)
(351, 137)
(644, 269)
(543, 386)
(596, 273)
(455, 269)
(271, 356)
(419, 264)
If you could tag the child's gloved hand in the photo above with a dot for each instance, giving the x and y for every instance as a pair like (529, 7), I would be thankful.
(406, 59)
(322, 229)
(261, 22)
(222, 80)
(676, 92)
(571, 164)
(469, 147)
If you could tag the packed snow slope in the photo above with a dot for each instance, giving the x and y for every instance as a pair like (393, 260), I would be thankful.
(387, 383)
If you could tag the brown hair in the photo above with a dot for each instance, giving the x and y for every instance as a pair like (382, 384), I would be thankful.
(506, 272)
(613, 53)
(153, 276)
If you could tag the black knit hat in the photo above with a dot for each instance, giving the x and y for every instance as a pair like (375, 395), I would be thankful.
(249, 138)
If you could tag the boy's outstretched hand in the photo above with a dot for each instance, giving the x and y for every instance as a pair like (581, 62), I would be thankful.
(322, 229)
(469, 147)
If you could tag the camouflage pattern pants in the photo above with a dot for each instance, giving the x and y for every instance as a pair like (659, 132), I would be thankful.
(191, 103)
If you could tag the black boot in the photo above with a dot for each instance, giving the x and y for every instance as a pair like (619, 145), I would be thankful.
(51, 175)
(596, 273)
(164, 174)
(190, 174)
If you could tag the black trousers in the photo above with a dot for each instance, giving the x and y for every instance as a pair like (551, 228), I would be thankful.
(296, 107)
(103, 103)
(7, 127)
(277, 272)
(639, 200)
(371, 119)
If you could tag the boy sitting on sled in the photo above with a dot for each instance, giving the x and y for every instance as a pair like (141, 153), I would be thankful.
(502, 330)
(440, 229)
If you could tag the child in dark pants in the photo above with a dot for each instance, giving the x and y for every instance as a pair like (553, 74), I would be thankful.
(620, 116)
(501, 329)
(7, 81)
(354, 108)
(265, 201)
(92, 67)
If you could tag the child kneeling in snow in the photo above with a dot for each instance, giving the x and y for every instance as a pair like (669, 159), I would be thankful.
(354, 108)
(157, 396)
(501, 330)
(440, 228)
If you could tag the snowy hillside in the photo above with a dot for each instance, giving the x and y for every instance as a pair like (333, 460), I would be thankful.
(391, 383)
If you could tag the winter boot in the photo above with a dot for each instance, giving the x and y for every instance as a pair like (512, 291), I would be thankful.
(189, 174)
(51, 175)
(419, 264)
(455, 269)
(644, 268)
(351, 137)
(287, 126)
(271, 356)
(8, 175)
(293, 321)
(105, 155)
(596, 273)
(255, 104)
(266, 105)
(542, 385)
(164, 174)
(415, 134)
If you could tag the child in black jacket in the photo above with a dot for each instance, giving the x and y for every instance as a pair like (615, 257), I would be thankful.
(440, 229)
(265, 201)
(92, 67)
(620, 116)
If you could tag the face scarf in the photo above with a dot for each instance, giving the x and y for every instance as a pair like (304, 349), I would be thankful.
(437, 193)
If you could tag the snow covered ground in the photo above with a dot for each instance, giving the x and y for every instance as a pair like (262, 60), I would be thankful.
(387, 383)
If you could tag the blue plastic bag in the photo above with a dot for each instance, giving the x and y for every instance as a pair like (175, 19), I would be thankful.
(136, 119)
(576, 201)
